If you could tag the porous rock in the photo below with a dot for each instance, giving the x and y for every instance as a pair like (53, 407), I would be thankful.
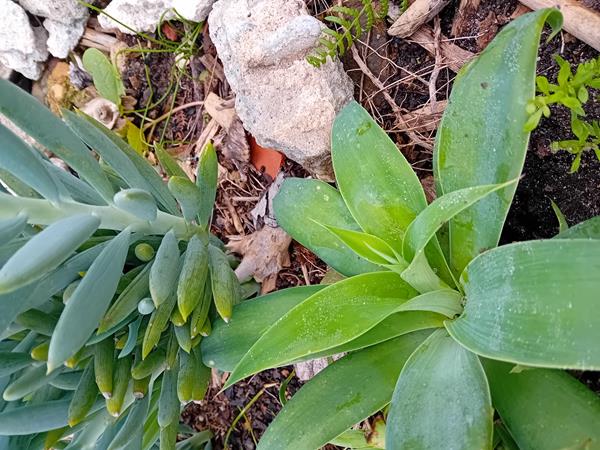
(63, 19)
(285, 102)
(22, 47)
(144, 15)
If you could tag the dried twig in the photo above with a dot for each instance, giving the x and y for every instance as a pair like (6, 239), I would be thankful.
(454, 56)
(420, 12)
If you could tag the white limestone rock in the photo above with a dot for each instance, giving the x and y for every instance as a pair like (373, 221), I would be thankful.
(22, 47)
(144, 15)
(64, 20)
(286, 103)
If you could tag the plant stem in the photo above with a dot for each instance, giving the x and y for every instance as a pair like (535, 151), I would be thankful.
(43, 212)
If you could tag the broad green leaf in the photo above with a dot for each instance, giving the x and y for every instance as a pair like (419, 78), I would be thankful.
(11, 362)
(165, 269)
(228, 343)
(137, 202)
(47, 129)
(89, 302)
(379, 186)
(441, 400)
(481, 139)
(46, 251)
(534, 303)
(366, 246)
(34, 418)
(206, 180)
(544, 409)
(301, 205)
(157, 186)
(397, 324)
(11, 228)
(127, 301)
(27, 165)
(590, 229)
(346, 392)
(106, 77)
(188, 195)
(331, 317)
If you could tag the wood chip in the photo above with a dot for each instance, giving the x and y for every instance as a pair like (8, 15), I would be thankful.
(464, 17)
(420, 12)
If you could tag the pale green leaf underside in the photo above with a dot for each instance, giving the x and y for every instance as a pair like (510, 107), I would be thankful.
(534, 303)
(441, 401)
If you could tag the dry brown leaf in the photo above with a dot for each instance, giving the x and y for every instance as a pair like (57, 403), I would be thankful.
(265, 253)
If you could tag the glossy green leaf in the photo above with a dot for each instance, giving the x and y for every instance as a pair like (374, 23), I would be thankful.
(11, 228)
(301, 205)
(27, 165)
(128, 300)
(379, 186)
(188, 195)
(366, 246)
(342, 394)
(156, 185)
(228, 343)
(137, 202)
(441, 400)
(165, 269)
(89, 302)
(590, 229)
(34, 418)
(206, 180)
(481, 139)
(47, 129)
(534, 303)
(331, 317)
(46, 251)
(106, 76)
(11, 362)
(544, 409)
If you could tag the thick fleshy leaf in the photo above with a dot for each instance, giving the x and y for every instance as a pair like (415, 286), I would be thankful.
(441, 400)
(34, 418)
(590, 229)
(137, 202)
(89, 302)
(481, 139)
(165, 269)
(228, 342)
(39, 122)
(331, 317)
(46, 251)
(301, 205)
(378, 184)
(534, 303)
(168, 162)
(79, 190)
(206, 180)
(11, 362)
(544, 409)
(27, 165)
(346, 392)
(156, 186)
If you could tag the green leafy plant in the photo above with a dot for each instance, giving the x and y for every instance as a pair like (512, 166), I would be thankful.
(572, 91)
(351, 24)
(108, 281)
(106, 77)
(440, 326)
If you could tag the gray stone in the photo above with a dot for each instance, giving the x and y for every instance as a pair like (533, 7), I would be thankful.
(145, 15)
(286, 103)
(65, 21)
(22, 47)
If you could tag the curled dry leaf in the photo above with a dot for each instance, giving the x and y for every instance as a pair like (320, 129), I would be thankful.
(265, 253)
